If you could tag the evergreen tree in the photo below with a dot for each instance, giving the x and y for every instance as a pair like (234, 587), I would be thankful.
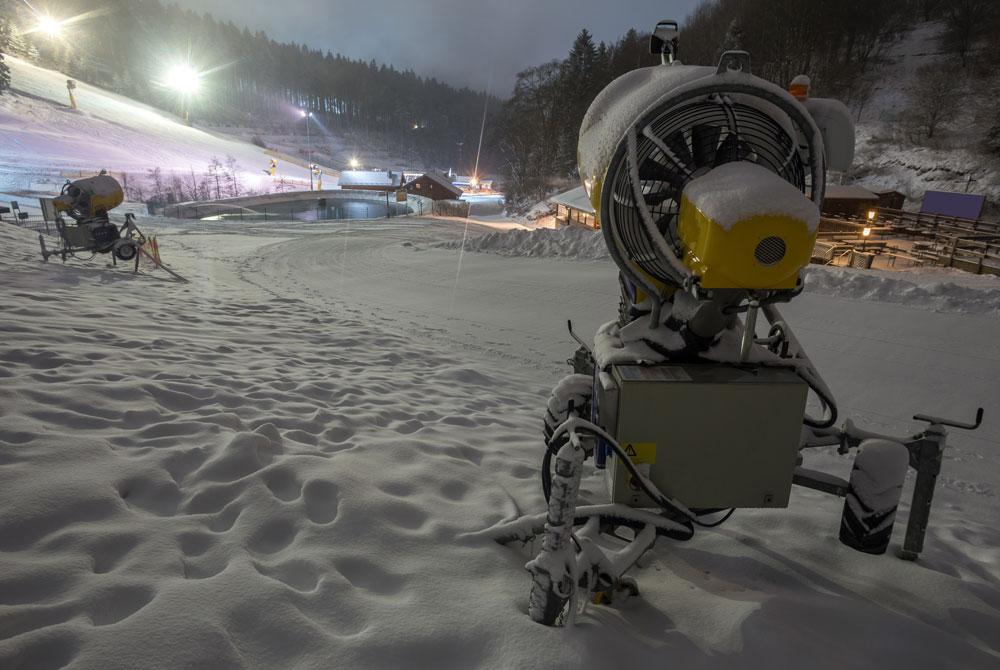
(5, 34)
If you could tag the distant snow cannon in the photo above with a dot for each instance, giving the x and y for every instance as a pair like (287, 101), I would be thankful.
(87, 199)
(88, 202)
(707, 183)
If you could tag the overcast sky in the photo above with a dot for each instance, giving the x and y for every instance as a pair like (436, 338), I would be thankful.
(462, 42)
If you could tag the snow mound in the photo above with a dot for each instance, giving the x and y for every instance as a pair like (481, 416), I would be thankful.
(570, 242)
(917, 290)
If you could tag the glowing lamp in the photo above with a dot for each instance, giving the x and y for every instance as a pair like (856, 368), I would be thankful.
(49, 26)
(184, 79)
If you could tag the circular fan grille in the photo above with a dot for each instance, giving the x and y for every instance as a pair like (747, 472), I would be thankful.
(770, 250)
(691, 138)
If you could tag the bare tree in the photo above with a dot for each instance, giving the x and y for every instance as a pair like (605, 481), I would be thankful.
(965, 22)
(933, 98)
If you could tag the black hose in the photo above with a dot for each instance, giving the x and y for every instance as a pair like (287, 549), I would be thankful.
(664, 504)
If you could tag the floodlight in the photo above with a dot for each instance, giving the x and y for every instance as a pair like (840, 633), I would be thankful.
(184, 79)
(49, 26)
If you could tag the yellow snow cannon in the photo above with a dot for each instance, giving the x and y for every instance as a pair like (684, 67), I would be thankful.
(88, 202)
(90, 198)
(741, 226)
(707, 183)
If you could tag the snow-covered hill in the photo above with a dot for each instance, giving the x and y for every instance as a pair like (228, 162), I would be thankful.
(888, 159)
(42, 140)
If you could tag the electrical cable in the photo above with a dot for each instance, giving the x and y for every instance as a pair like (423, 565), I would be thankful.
(664, 504)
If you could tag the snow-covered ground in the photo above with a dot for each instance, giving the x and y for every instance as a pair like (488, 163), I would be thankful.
(888, 159)
(275, 464)
(42, 140)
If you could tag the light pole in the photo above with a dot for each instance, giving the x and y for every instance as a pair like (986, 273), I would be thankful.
(308, 115)
(186, 81)
(867, 230)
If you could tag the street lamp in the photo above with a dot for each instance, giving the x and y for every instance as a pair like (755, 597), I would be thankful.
(49, 26)
(865, 233)
(187, 82)
(308, 115)
(355, 163)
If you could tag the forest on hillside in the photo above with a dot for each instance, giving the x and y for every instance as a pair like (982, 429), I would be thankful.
(838, 44)
(249, 79)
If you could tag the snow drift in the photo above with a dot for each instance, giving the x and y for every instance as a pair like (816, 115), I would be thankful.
(275, 465)
(567, 242)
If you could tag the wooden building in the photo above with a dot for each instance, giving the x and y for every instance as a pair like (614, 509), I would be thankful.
(574, 206)
(849, 201)
(891, 199)
(433, 185)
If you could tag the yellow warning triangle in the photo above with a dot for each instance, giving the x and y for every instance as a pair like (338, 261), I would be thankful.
(630, 451)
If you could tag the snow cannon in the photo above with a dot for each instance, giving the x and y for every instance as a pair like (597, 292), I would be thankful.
(86, 199)
(707, 178)
(88, 202)
(707, 183)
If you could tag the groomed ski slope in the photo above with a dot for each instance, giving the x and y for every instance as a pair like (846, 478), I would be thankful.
(274, 466)
(41, 137)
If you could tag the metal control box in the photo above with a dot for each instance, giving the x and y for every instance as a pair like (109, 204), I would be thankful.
(709, 436)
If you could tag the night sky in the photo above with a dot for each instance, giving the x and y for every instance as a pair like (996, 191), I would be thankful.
(478, 44)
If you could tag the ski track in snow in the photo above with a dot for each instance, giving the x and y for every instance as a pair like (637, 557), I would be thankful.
(272, 466)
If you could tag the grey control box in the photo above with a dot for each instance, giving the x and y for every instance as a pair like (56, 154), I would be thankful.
(708, 435)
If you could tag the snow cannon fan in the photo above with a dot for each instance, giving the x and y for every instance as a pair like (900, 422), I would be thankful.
(707, 179)
(88, 202)
(707, 184)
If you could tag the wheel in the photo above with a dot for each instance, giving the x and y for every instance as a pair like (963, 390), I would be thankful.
(126, 250)
(545, 605)
(873, 496)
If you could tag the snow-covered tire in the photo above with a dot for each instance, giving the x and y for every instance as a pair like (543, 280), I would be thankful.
(873, 496)
(545, 606)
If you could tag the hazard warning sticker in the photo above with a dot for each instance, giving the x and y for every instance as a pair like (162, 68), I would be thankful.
(640, 452)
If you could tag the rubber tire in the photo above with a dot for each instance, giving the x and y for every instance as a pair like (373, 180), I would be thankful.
(548, 603)
(873, 496)
(126, 251)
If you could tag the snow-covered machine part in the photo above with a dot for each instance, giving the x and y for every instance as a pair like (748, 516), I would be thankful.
(744, 227)
(88, 198)
(653, 132)
(837, 127)
(707, 184)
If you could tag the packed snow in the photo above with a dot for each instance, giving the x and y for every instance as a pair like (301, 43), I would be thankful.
(45, 141)
(567, 242)
(285, 462)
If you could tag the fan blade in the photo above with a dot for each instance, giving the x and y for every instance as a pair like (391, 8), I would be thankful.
(651, 170)
(728, 151)
(704, 141)
(679, 146)
(654, 199)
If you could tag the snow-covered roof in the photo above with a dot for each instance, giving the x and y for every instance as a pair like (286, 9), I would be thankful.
(575, 198)
(444, 182)
(848, 192)
(741, 190)
(368, 178)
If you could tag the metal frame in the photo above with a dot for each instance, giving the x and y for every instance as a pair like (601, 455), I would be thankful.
(128, 233)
